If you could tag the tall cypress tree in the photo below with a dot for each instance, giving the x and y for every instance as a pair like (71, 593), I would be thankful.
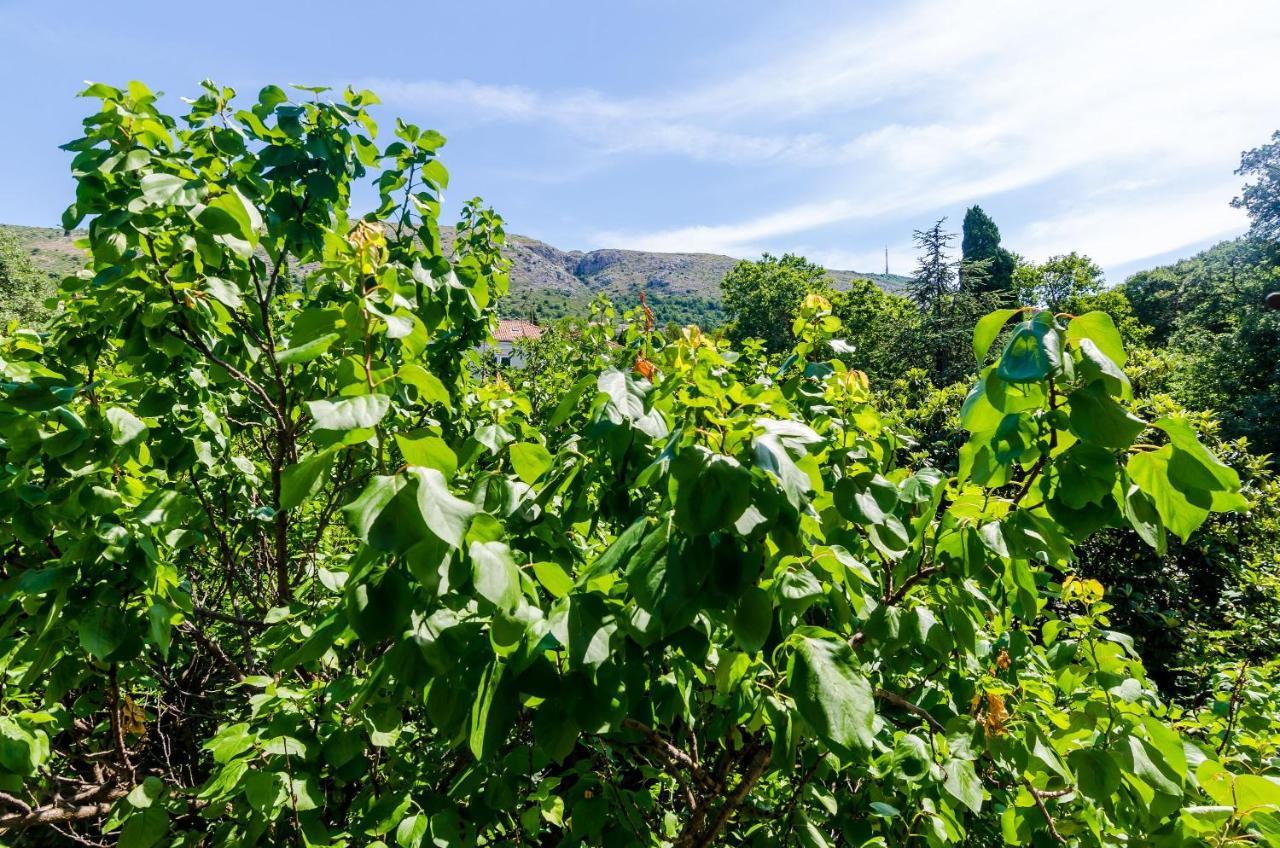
(985, 265)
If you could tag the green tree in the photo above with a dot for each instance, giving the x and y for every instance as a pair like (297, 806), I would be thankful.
(761, 298)
(1057, 281)
(985, 265)
(935, 275)
(1261, 198)
(23, 288)
(1207, 312)
(878, 326)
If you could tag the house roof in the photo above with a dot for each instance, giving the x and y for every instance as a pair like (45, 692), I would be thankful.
(510, 330)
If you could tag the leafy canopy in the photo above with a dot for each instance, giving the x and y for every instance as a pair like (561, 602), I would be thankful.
(283, 567)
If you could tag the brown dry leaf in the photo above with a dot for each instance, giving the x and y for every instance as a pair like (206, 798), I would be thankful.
(133, 719)
(1003, 660)
(645, 368)
(996, 716)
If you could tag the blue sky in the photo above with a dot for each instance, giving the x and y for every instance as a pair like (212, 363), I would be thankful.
(831, 129)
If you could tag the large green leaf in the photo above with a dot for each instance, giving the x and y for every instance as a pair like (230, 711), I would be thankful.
(126, 428)
(1032, 353)
(712, 490)
(365, 509)
(1098, 328)
(446, 515)
(145, 828)
(626, 403)
(987, 329)
(530, 460)
(348, 413)
(495, 575)
(1099, 420)
(962, 783)
(302, 479)
(753, 619)
(832, 694)
(170, 190)
(313, 349)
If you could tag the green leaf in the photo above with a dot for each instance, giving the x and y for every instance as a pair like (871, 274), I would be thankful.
(495, 575)
(530, 461)
(378, 608)
(307, 352)
(712, 490)
(988, 327)
(1209, 472)
(230, 214)
(170, 190)
(146, 792)
(224, 291)
(446, 516)
(428, 385)
(428, 451)
(304, 478)
(1032, 352)
(831, 694)
(365, 509)
(753, 619)
(102, 630)
(145, 828)
(1257, 792)
(412, 830)
(1098, 419)
(962, 783)
(489, 724)
(1144, 761)
(348, 413)
(626, 403)
(1101, 330)
(553, 578)
(266, 791)
(126, 427)
(1097, 775)
(19, 749)
(1178, 511)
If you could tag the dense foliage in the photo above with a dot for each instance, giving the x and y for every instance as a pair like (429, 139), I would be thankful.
(761, 297)
(1261, 196)
(1207, 313)
(284, 564)
(23, 287)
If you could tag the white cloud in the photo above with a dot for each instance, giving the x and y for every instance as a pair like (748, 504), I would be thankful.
(944, 103)
(1125, 229)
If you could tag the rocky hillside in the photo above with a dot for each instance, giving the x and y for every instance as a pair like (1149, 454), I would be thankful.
(547, 282)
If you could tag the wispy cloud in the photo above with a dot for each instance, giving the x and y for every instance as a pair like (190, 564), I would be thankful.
(946, 103)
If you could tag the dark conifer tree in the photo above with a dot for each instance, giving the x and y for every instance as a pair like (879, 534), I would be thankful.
(935, 276)
(985, 265)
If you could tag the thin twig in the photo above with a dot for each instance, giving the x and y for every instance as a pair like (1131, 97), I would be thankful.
(902, 703)
(1234, 706)
(1044, 811)
(671, 752)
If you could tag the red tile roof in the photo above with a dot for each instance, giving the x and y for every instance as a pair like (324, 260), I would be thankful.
(509, 331)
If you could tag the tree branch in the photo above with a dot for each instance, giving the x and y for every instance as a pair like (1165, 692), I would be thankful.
(755, 768)
(1044, 811)
(61, 812)
(672, 753)
(902, 703)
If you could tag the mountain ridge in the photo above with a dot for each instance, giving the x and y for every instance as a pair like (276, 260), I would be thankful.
(546, 282)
